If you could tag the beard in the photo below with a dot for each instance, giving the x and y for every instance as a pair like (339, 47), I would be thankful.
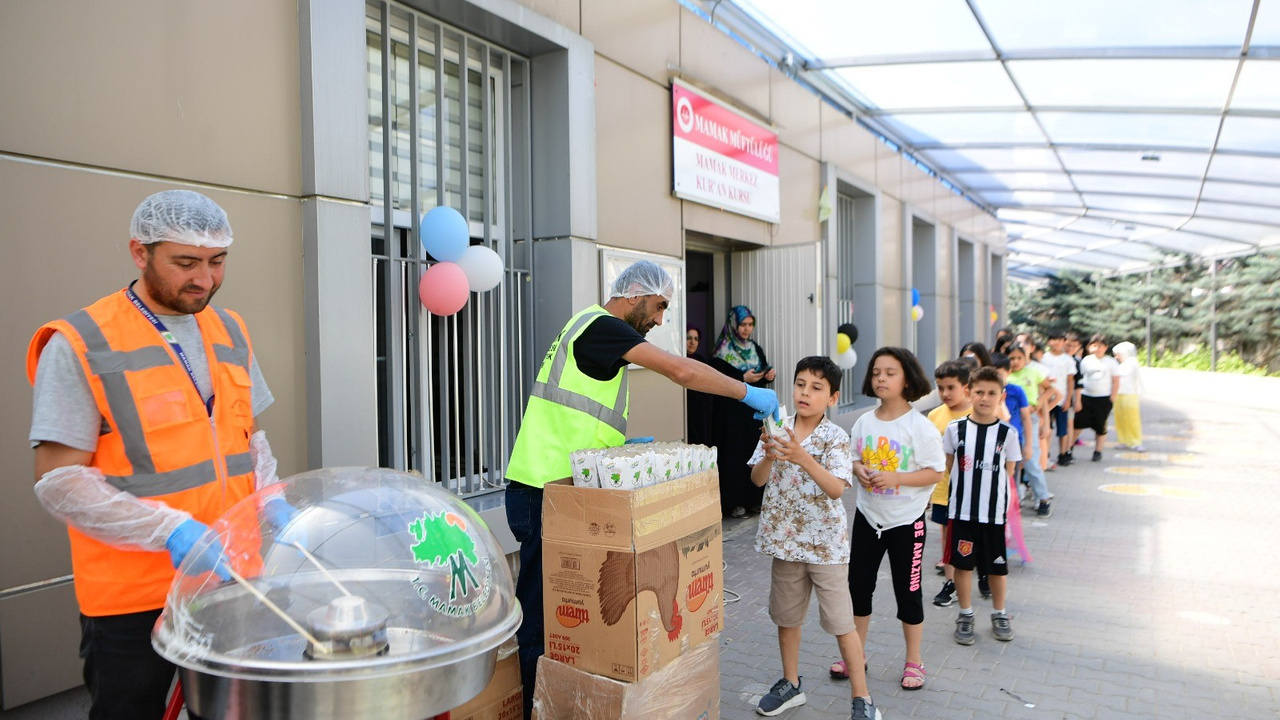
(166, 295)
(638, 318)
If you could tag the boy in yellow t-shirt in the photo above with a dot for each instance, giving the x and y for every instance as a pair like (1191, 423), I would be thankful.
(952, 379)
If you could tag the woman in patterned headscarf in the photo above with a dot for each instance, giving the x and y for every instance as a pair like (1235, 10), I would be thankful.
(735, 432)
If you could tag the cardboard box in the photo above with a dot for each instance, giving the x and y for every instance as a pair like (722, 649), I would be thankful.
(687, 689)
(632, 579)
(501, 699)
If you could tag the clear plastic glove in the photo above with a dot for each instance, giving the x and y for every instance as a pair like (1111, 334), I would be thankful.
(264, 463)
(639, 440)
(212, 558)
(80, 497)
(763, 400)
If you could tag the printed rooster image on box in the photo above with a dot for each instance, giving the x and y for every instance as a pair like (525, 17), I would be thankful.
(628, 600)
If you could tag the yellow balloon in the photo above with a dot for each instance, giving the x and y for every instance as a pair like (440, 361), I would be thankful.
(994, 317)
(917, 312)
(842, 343)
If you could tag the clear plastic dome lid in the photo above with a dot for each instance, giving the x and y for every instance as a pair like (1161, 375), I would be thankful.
(347, 572)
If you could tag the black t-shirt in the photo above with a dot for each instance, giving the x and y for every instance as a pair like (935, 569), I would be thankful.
(600, 347)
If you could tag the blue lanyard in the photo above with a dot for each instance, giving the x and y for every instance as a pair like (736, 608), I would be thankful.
(168, 336)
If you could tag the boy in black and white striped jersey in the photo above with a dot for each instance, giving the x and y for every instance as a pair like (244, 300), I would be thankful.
(981, 453)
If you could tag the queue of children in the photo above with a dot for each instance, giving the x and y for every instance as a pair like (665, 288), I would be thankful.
(958, 467)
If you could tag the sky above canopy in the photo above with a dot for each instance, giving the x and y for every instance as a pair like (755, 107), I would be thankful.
(1105, 135)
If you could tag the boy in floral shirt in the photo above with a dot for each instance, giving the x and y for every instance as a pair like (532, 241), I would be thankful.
(804, 527)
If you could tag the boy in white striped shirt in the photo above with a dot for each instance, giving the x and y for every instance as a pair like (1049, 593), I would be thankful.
(981, 452)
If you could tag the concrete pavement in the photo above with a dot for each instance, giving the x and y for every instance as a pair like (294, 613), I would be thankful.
(1158, 597)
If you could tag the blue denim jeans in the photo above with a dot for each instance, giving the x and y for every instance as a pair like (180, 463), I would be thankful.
(524, 516)
(1031, 465)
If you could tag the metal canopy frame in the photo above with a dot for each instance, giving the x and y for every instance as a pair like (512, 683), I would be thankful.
(1161, 231)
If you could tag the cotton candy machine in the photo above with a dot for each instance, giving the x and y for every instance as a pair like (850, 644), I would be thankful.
(352, 593)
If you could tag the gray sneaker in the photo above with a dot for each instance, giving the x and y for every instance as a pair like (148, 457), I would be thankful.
(964, 629)
(782, 696)
(1000, 627)
(863, 710)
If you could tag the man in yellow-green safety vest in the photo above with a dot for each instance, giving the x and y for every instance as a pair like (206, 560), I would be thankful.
(579, 400)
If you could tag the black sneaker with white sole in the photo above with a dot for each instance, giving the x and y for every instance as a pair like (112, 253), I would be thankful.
(782, 696)
(946, 595)
(1044, 510)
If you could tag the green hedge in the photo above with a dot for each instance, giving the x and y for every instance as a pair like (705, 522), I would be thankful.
(1198, 359)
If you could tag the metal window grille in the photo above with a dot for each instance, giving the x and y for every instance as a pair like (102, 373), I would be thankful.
(448, 125)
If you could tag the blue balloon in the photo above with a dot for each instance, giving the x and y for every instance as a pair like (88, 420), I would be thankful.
(915, 296)
(445, 235)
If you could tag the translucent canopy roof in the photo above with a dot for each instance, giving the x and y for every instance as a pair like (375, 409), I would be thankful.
(1104, 135)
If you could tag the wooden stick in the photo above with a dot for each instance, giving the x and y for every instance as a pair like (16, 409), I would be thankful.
(271, 606)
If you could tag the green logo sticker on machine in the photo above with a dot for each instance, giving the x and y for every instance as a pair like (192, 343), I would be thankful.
(442, 542)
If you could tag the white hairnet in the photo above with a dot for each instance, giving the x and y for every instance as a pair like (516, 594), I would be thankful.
(180, 216)
(1126, 349)
(643, 278)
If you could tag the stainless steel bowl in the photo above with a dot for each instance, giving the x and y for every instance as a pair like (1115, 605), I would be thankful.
(383, 597)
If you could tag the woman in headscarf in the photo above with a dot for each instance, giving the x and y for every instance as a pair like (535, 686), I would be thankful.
(1128, 417)
(697, 404)
(736, 432)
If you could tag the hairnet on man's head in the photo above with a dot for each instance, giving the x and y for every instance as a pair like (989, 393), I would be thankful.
(181, 216)
(643, 278)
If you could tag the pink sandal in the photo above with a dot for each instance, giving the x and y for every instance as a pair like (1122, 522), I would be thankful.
(840, 671)
(914, 672)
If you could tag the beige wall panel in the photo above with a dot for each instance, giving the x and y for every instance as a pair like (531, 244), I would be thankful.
(721, 223)
(642, 36)
(891, 243)
(40, 637)
(58, 261)
(177, 88)
(850, 147)
(801, 185)
(894, 318)
(889, 170)
(796, 114)
(918, 190)
(657, 407)
(565, 12)
(733, 73)
(635, 208)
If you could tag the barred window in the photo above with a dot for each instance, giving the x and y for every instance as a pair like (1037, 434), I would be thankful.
(448, 125)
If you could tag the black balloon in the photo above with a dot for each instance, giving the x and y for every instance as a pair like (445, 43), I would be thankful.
(851, 330)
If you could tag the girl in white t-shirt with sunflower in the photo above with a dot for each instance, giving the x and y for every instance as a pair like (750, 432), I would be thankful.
(897, 459)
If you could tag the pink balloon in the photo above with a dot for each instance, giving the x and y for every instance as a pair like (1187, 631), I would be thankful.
(443, 288)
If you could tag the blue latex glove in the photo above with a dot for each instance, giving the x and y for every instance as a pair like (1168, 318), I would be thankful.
(636, 441)
(280, 515)
(211, 558)
(764, 401)
(278, 512)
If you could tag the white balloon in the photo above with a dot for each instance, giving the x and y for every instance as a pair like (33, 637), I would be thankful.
(483, 268)
(847, 359)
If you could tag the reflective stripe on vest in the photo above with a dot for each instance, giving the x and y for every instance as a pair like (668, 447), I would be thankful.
(110, 365)
(552, 392)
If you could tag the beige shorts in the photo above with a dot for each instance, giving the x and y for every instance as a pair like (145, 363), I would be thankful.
(791, 586)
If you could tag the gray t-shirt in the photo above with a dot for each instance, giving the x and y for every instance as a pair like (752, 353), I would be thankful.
(64, 410)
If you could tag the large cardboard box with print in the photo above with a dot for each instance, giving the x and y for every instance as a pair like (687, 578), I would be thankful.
(632, 579)
(687, 689)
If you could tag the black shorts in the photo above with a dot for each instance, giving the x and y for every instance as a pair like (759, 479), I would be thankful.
(939, 514)
(1093, 414)
(977, 546)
